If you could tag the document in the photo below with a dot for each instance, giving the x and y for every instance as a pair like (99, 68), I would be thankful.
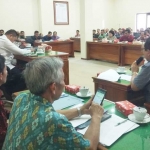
(66, 101)
(109, 75)
(125, 77)
(110, 131)
(79, 120)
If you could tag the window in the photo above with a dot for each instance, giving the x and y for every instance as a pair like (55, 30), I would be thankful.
(142, 20)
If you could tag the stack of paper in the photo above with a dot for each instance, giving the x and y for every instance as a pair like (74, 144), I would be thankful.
(109, 75)
(109, 132)
(80, 120)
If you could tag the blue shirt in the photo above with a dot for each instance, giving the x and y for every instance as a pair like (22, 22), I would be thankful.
(35, 125)
(46, 38)
(142, 80)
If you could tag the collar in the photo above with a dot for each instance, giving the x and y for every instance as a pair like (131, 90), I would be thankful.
(40, 99)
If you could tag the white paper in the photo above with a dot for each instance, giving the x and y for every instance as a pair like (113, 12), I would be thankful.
(109, 75)
(67, 101)
(79, 120)
(109, 132)
(125, 77)
(76, 106)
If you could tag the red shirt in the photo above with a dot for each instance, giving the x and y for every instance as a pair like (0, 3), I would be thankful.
(129, 38)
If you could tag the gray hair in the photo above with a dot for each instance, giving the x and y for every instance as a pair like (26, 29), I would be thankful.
(42, 72)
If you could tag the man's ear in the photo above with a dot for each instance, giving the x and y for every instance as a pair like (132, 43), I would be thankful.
(52, 88)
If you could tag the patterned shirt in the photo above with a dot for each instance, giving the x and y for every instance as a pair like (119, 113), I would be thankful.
(3, 123)
(35, 125)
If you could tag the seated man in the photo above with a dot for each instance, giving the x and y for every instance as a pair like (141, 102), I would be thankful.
(35, 37)
(127, 36)
(22, 35)
(102, 35)
(143, 37)
(35, 124)
(1, 32)
(47, 37)
(98, 32)
(77, 33)
(55, 37)
(15, 81)
(3, 112)
(141, 80)
(94, 34)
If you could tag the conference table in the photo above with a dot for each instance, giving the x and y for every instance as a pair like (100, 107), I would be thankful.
(103, 51)
(129, 53)
(122, 54)
(21, 60)
(119, 91)
(137, 139)
(76, 44)
(60, 46)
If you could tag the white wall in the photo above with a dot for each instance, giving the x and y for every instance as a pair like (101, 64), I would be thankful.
(31, 15)
(103, 14)
(47, 18)
(125, 12)
(19, 15)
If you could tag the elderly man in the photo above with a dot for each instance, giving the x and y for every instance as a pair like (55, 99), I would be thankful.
(7, 49)
(35, 124)
(141, 80)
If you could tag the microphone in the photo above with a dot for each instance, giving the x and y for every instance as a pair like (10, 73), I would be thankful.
(139, 60)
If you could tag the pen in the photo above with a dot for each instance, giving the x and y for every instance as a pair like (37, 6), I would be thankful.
(121, 122)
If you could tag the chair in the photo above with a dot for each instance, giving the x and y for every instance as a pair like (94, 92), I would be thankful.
(147, 106)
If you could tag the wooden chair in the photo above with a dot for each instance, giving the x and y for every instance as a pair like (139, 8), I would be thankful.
(147, 106)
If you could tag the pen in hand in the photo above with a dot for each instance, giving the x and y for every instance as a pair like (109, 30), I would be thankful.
(121, 122)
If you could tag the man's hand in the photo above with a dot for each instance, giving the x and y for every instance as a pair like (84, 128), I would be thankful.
(96, 110)
(135, 67)
(85, 108)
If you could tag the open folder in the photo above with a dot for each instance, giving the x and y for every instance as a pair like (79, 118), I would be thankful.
(110, 131)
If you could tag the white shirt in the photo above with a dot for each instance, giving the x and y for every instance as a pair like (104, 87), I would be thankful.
(7, 49)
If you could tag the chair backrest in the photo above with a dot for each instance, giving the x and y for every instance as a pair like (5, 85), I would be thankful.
(29, 39)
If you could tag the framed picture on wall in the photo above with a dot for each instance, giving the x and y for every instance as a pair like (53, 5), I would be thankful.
(61, 13)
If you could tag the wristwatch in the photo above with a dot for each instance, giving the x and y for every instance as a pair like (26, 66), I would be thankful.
(79, 112)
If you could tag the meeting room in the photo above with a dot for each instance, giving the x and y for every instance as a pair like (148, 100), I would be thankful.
(74, 75)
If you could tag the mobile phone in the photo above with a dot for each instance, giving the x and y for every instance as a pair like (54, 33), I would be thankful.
(99, 96)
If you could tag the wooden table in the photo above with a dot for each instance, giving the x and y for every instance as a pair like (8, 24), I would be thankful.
(103, 51)
(76, 44)
(123, 54)
(60, 46)
(130, 53)
(63, 56)
(119, 91)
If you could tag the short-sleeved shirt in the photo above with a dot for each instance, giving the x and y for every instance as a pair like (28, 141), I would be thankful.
(35, 125)
(142, 80)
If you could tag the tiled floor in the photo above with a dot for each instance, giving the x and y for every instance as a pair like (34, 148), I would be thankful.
(81, 71)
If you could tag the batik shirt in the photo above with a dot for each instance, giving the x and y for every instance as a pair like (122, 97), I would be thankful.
(35, 125)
